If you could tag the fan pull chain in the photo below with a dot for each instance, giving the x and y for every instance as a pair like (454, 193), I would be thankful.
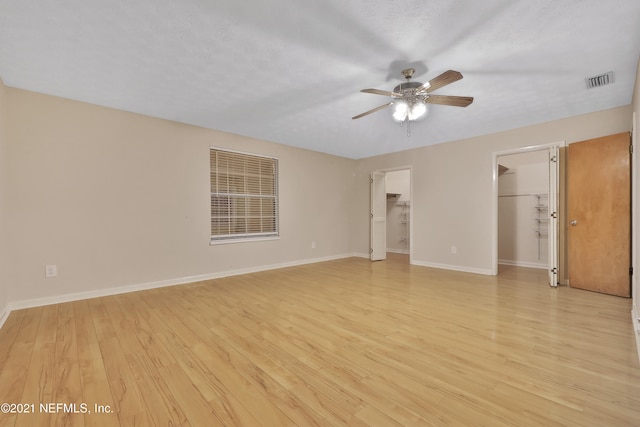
(408, 122)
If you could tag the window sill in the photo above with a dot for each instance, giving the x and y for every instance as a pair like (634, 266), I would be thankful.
(216, 242)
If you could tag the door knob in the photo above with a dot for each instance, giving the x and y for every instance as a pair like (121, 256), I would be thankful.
(574, 222)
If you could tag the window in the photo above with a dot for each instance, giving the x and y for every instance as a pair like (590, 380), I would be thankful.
(244, 196)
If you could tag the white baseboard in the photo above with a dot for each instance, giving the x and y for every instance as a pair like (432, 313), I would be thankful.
(635, 319)
(398, 251)
(4, 314)
(486, 272)
(58, 299)
(523, 264)
(361, 255)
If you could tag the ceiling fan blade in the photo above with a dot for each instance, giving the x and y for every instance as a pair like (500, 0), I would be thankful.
(372, 111)
(443, 79)
(423, 88)
(456, 101)
(381, 92)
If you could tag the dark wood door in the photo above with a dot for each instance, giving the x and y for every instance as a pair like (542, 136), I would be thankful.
(599, 214)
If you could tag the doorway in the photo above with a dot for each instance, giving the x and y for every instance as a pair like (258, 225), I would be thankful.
(523, 209)
(390, 216)
(526, 195)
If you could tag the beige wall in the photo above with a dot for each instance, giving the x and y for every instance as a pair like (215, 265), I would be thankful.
(118, 199)
(453, 188)
(4, 284)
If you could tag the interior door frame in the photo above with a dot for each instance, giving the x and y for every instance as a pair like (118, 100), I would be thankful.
(635, 295)
(634, 223)
(371, 201)
(378, 217)
(494, 224)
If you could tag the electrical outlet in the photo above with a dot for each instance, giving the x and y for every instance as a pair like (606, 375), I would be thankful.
(454, 250)
(51, 271)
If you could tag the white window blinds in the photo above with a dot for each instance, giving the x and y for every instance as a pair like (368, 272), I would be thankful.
(244, 196)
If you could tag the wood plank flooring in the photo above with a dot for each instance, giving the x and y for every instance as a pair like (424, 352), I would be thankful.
(339, 343)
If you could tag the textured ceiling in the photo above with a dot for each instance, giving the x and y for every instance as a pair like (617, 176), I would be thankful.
(290, 71)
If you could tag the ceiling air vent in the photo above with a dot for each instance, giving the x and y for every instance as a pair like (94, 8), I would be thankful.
(599, 80)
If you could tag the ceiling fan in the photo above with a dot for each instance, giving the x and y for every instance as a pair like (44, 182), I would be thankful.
(410, 99)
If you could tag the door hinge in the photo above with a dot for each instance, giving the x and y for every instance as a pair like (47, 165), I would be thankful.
(630, 271)
(554, 215)
(371, 180)
(630, 148)
(370, 250)
(553, 159)
(554, 270)
(371, 215)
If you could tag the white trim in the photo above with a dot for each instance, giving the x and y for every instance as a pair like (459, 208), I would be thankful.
(360, 255)
(4, 314)
(58, 299)
(635, 321)
(523, 264)
(399, 251)
(464, 269)
(635, 304)
(378, 215)
(217, 241)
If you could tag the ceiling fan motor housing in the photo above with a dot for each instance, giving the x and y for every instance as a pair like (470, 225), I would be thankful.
(407, 86)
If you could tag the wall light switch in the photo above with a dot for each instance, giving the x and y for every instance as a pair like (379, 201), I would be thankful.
(454, 250)
(313, 244)
(51, 271)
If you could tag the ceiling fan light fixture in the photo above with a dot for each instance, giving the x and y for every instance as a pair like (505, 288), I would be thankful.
(418, 111)
(402, 110)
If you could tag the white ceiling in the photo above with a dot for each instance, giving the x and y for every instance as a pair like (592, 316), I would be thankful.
(290, 71)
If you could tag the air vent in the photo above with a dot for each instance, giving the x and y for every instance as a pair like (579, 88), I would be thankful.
(600, 80)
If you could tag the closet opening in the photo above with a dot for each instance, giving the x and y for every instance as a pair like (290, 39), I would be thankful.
(391, 215)
(526, 192)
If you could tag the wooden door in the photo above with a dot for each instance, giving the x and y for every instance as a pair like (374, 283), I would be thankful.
(599, 214)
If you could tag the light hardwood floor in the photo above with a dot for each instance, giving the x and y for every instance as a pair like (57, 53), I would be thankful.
(340, 343)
